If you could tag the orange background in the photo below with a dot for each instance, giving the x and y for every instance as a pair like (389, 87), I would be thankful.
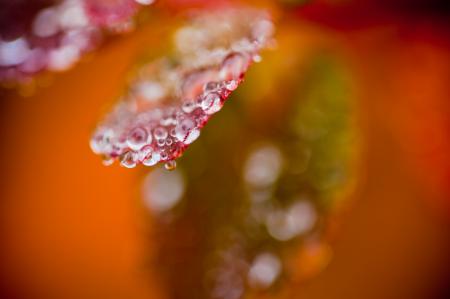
(72, 228)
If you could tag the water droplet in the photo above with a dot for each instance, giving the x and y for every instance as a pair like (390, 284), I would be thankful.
(45, 23)
(111, 14)
(211, 103)
(233, 66)
(137, 138)
(170, 165)
(161, 142)
(194, 82)
(101, 143)
(128, 160)
(257, 58)
(151, 159)
(192, 136)
(145, 2)
(13, 52)
(168, 120)
(210, 87)
(183, 128)
(63, 58)
(169, 141)
(150, 91)
(160, 133)
(164, 156)
(144, 152)
(188, 106)
(96, 144)
(72, 15)
(107, 160)
(231, 85)
(262, 30)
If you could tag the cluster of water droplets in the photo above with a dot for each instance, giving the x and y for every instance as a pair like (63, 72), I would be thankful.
(58, 35)
(169, 101)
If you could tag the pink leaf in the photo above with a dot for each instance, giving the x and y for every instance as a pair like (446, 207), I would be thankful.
(170, 100)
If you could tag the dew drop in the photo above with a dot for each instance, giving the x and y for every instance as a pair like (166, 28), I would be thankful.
(161, 142)
(170, 165)
(231, 85)
(160, 133)
(150, 91)
(13, 52)
(164, 156)
(262, 30)
(96, 145)
(63, 58)
(45, 24)
(183, 128)
(168, 120)
(107, 160)
(233, 66)
(194, 82)
(137, 138)
(110, 13)
(36, 61)
(257, 58)
(145, 152)
(192, 136)
(211, 103)
(145, 2)
(210, 87)
(151, 159)
(188, 106)
(101, 143)
(128, 160)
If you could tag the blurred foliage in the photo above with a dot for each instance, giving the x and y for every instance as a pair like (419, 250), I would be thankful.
(209, 239)
(324, 123)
